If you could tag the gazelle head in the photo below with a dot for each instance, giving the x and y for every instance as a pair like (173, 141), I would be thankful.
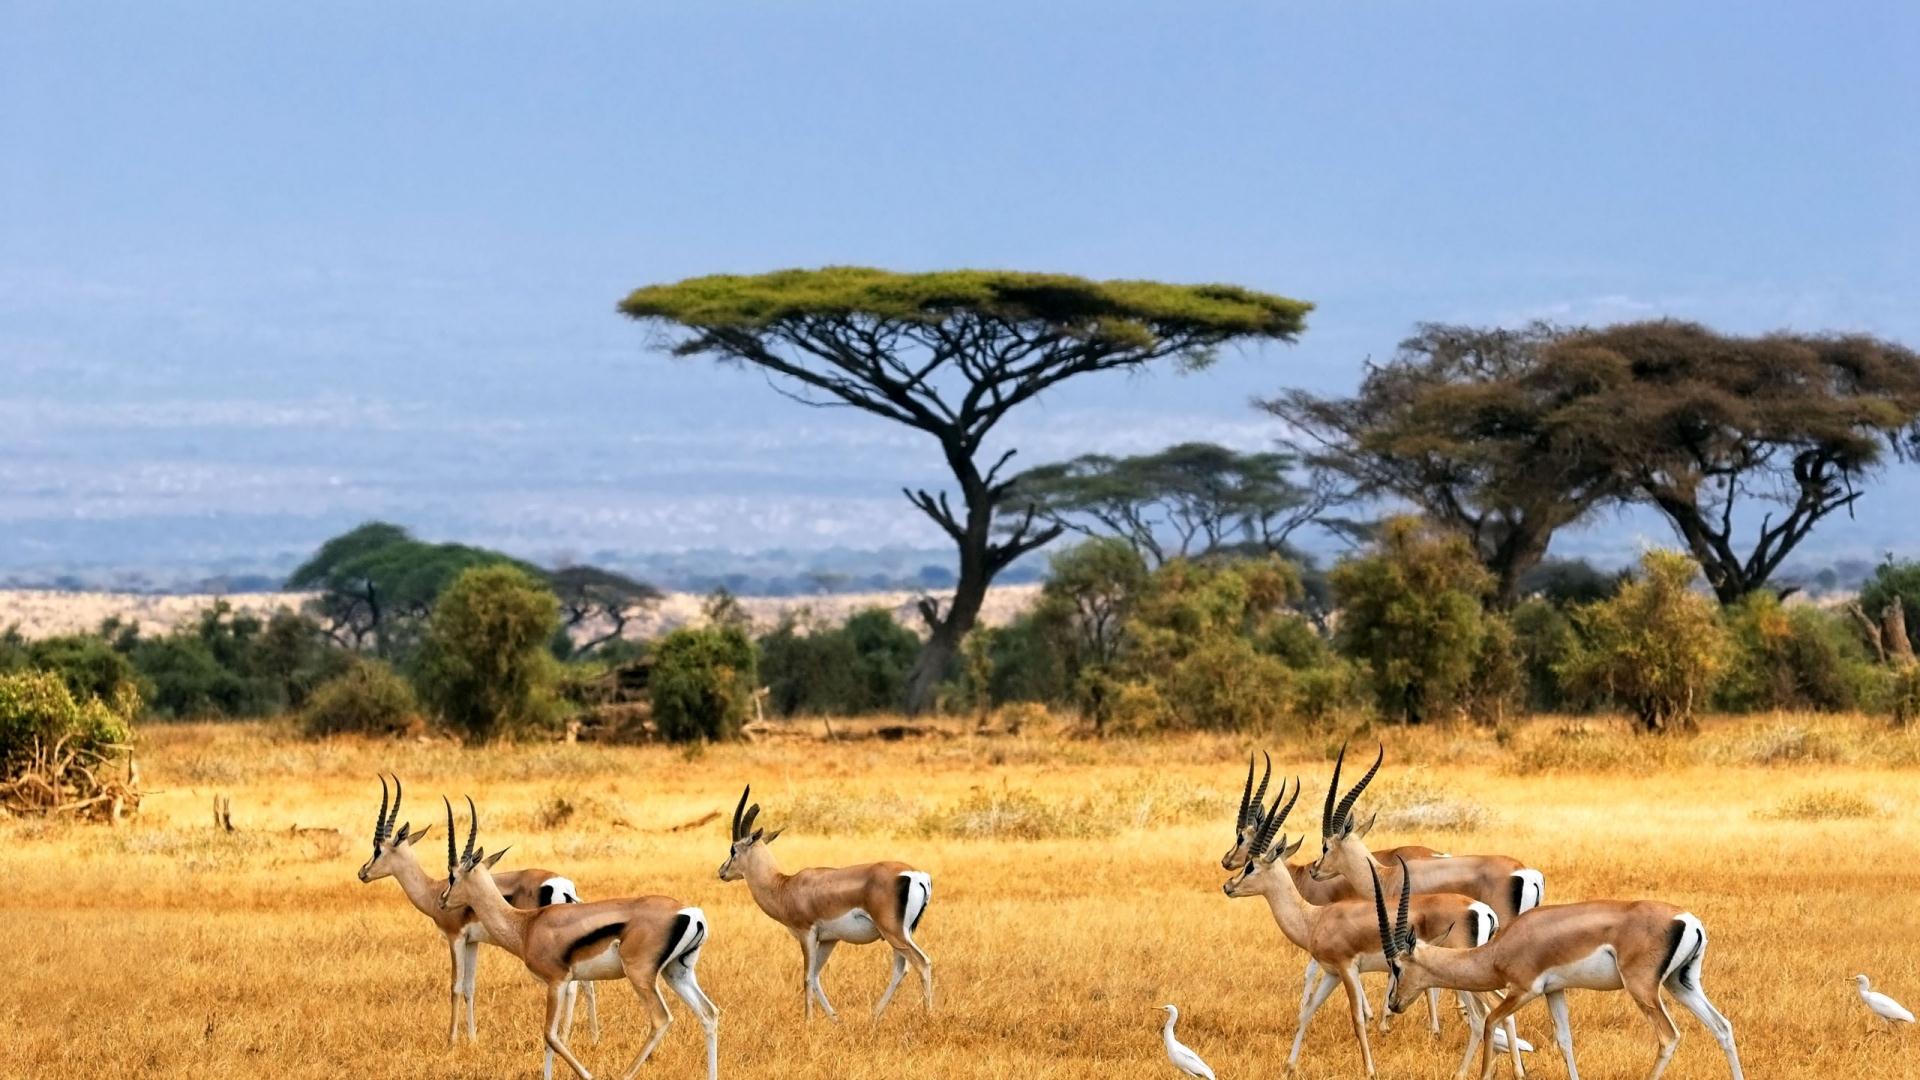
(1252, 802)
(388, 841)
(746, 841)
(466, 869)
(1407, 978)
(1257, 874)
(1340, 834)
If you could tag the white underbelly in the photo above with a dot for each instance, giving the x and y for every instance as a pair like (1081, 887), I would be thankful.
(604, 964)
(855, 928)
(1598, 970)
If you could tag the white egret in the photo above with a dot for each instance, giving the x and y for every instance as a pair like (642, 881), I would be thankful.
(1881, 1005)
(1183, 1059)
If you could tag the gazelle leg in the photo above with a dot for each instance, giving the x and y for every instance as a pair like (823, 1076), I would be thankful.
(1433, 1012)
(1476, 1010)
(1501, 1014)
(687, 987)
(657, 1014)
(1356, 999)
(556, 993)
(1308, 1007)
(566, 1022)
(893, 983)
(815, 965)
(593, 1010)
(1513, 1048)
(454, 989)
(1695, 999)
(1563, 1031)
(469, 988)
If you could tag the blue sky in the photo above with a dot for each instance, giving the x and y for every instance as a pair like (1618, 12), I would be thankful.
(267, 270)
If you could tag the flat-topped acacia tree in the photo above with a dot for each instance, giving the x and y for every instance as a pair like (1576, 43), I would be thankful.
(951, 353)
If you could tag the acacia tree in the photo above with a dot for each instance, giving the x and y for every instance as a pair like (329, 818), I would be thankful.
(589, 594)
(1185, 500)
(951, 354)
(1702, 426)
(1468, 425)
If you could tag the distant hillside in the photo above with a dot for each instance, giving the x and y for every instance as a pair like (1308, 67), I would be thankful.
(46, 613)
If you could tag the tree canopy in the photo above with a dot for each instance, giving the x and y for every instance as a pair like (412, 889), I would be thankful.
(376, 582)
(951, 353)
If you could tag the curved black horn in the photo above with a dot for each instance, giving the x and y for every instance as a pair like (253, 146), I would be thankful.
(1260, 793)
(1403, 937)
(1387, 937)
(473, 828)
(396, 804)
(1333, 792)
(1246, 795)
(453, 856)
(1269, 825)
(740, 809)
(380, 819)
(1287, 809)
(1346, 804)
(746, 823)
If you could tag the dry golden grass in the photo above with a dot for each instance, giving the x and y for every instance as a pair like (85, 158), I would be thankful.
(1076, 889)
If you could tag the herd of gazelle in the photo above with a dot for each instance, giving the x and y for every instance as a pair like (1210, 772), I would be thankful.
(1471, 924)
(538, 917)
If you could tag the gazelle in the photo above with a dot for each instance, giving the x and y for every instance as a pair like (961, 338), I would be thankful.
(1341, 937)
(1636, 946)
(642, 939)
(393, 856)
(823, 907)
(1314, 891)
(1506, 885)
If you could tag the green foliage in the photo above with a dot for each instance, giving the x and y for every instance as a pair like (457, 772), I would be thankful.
(1547, 643)
(1025, 661)
(588, 594)
(1657, 647)
(368, 698)
(1790, 658)
(87, 663)
(1136, 313)
(702, 683)
(485, 667)
(858, 667)
(1410, 612)
(39, 711)
(1893, 580)
(1498, 675)
(1090, 593)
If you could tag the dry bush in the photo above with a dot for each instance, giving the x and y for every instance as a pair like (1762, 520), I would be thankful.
(1825, 804)
(1782, 741)
(839, 812)
(1588, 746)
(1413, 802)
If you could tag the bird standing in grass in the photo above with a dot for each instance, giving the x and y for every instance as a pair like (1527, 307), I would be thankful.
(1183, 1059)
(1880, 1004)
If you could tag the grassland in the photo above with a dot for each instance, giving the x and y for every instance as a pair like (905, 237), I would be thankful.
(1076, 889)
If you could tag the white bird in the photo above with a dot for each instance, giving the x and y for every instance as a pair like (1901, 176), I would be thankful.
(1881, 1005)
(1500, 1042)
(1183, 1059)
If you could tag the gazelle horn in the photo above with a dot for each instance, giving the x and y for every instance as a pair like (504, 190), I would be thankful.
(380, 819)
(453, 856)
(1333, 792)
(1246, 795)
(1403, 935)
(1260, 793)
(740, 809)
(1387, 937)
(473, 829)
(1340, 815)
(395, 816)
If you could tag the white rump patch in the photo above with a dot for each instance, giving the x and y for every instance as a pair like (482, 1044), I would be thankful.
(1485, 925)
(562, 890)
(919, 895)
(686, 951)
(1533, 888)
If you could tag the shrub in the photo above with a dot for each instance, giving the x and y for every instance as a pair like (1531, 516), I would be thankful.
(484, 666)
(702, 683)
(1496, 680)
(1546, 643)
(368, 698)
(55, 747)
(1656, 646)
(1786, 658)
(1893, 581)
(1824, 805)
(858, 667)
(1410, 613)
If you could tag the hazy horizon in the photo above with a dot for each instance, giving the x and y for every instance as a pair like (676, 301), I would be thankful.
(265, 274)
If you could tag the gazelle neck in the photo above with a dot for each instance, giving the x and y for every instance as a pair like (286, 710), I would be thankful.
(506, 925)
(1290, 909)
(1459, 969)
(421, 890)
(763, 879)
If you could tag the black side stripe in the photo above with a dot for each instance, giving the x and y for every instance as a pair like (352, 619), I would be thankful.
(904, 886)
(680, 923)
(593, 938)
(1519, 889)
(1676, 937)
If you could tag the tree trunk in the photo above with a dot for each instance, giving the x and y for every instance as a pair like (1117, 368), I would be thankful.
(943, 645)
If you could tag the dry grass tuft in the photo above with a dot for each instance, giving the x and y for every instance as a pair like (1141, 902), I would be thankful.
(1825, 804)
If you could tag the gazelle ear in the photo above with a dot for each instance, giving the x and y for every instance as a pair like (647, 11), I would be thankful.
(772, 836)
(1287, 853)
(493, 859)
(754, 837)
(1368, 827)
(414, 837)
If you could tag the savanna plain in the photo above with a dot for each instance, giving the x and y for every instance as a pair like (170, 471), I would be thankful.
(1076, 889)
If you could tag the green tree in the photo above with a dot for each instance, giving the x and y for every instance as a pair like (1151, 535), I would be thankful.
(1186, 500)
(702, 683)
(485, 667)
(1410, 612)
(589, 595)
(368, 698)
(1744, 444)
(1466, 424)
(1088, 596)
(1656, 647)
(951, 354)
(87, 663)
